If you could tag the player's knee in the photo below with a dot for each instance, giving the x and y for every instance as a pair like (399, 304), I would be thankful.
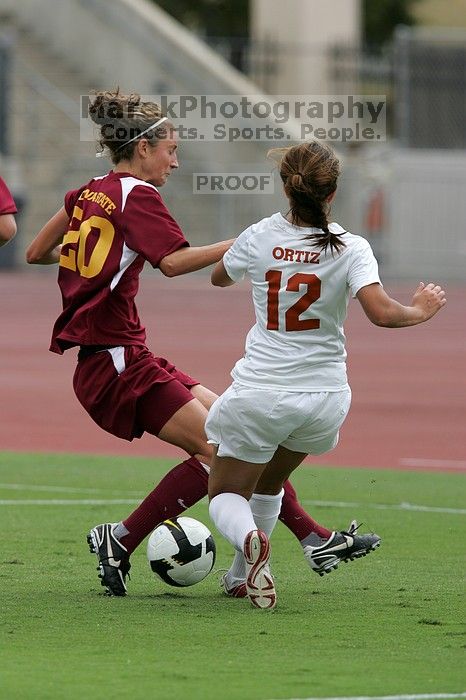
(204, 453)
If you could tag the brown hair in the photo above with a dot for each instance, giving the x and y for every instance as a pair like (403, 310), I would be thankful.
(309, 172)
(124, 117)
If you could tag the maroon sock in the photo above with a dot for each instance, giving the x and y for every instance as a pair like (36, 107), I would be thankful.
(296, 519)
(183, 486)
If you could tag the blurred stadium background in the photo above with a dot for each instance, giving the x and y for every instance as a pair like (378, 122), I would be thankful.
(405, 195)
(393, 626)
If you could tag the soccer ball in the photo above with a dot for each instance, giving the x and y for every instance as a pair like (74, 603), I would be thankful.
(181, 551)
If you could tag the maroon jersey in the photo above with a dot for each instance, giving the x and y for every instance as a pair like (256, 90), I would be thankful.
(7, 204)
(117, 222)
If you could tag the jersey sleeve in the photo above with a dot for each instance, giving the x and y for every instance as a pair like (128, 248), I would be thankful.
(7, 203)
(363, 267)
(70, 200)
(150, 229)
(236, 259)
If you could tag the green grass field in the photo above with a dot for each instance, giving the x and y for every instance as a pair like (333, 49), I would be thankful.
(389, 624)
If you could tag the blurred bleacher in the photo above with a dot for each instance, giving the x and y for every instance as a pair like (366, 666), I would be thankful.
(405, 195)
(69, 48)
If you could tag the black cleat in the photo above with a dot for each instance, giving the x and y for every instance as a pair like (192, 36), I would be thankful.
(113, 558)
(340, 546)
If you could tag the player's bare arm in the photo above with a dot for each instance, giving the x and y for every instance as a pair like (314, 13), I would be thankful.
(7, 228)
(45, 248)
(219, 277)
(187, 260)
(384, 311)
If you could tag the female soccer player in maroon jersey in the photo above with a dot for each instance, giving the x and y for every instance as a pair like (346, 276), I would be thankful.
(7, 209)
(101, 239)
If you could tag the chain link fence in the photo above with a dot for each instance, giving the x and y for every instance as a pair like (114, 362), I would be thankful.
(422, 73)
(429, 72)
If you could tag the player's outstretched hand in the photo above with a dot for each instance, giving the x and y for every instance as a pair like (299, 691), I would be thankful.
(428, 299)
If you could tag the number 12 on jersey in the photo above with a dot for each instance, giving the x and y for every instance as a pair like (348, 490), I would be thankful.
(293, 322)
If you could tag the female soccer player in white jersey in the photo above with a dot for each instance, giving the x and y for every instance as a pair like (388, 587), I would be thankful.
(101, 239)
(290, 393)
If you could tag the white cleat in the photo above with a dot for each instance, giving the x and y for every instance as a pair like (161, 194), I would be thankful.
(259, 582)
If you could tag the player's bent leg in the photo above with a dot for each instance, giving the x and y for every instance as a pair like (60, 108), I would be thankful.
(277, 471)
(233, 518)
(183, 486)
(231, 482)
(231, 475)
(204, 395)
(265, 510)
(265, 503)
(324, 554)
(185, 429)
(298, 521)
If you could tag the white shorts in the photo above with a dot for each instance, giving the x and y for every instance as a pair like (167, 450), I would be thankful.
(250, 424)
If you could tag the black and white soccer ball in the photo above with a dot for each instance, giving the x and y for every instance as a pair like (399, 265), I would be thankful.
(181, 551)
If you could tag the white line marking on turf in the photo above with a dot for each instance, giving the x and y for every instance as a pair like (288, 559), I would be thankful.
(429, 696)
(383, 506)
(66, 489)
(433, 463)
(68, 502)
(132, 501)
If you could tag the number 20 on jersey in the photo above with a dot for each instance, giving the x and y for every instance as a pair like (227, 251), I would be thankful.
(75, 256)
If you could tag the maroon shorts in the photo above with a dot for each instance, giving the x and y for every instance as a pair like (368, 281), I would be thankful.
(115, 386)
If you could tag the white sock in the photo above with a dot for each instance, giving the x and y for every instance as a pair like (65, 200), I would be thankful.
(265, 510)
(232, 516)
(120, 531)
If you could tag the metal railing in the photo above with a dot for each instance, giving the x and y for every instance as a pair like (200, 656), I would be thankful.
(430, 87)
(422, 73)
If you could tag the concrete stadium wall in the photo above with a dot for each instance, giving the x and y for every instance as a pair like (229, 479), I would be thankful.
(427, 214)
(308, 30)
(134, 44)
(130, 42)
(420, 231)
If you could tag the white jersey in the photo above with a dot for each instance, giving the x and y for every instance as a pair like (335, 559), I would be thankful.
(300, 297)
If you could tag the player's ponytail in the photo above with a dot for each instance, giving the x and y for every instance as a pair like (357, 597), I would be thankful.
(309, 172)
(123, 119)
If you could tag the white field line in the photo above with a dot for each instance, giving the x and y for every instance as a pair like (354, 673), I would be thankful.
(132, 501)
(432, 463)
(68, 502)
(429, 696)
(386, 506)
(67, 489)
